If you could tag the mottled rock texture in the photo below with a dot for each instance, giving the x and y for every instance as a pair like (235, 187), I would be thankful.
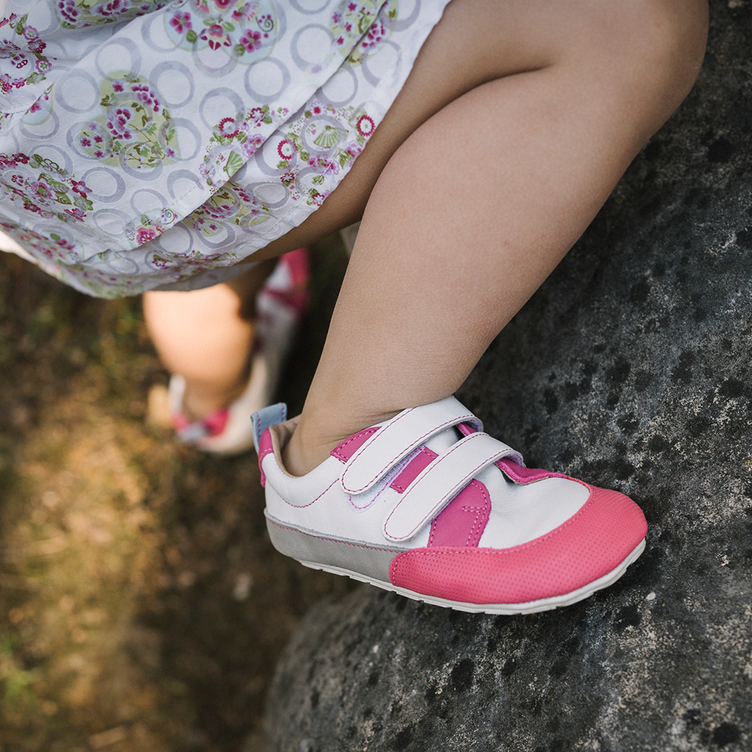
(629, 368)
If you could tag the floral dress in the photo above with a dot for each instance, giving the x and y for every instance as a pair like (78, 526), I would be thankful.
(155, 144)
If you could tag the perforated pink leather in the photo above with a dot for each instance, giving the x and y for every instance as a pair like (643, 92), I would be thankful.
(349, 446)
(587, 546)
(462, 522)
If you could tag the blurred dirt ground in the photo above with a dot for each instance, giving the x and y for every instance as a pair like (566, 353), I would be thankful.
(142, 607)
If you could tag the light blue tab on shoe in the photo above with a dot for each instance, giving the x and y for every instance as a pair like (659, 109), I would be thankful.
(265, 418)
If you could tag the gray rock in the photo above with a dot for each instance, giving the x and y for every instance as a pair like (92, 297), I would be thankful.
(629, 368)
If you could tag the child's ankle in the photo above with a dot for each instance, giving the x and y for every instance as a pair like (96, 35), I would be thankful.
(300, 457)
(310, 445)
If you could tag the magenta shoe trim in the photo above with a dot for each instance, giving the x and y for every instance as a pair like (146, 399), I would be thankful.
(414, 468)
(462, 522)
(523, 475)
(348, 447)
(265, 447)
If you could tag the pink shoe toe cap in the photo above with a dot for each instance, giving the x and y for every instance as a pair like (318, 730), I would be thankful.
(588, 546)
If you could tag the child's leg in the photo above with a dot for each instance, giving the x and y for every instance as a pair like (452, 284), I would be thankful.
(206, 336)
(484, 198)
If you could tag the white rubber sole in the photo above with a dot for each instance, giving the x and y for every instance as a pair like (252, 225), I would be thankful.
(502, 609)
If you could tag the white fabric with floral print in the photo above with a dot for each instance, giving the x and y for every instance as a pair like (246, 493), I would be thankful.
(147, 144)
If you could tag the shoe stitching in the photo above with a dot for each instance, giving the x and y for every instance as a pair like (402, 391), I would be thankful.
(505, 551)
(392, 474)
(478, 512)
(303, 506)
(472, 508)
(422, 450)
(333, 540)
(369, 431)
(471, 474)
(413, 445)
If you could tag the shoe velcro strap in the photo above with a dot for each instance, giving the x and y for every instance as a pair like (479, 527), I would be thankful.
(399, 437)
(441, 481)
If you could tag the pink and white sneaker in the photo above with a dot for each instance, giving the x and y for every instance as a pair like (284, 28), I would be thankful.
(429, 506)
(280, 306)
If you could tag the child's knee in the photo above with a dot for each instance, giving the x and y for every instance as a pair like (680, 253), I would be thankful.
(677, 32)
(647, 53)
(669, 38)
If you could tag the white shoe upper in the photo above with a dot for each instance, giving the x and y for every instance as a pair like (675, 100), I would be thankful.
(355, 500)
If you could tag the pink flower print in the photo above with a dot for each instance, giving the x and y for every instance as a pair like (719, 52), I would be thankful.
(22, 158)
(228, 127)
(285, 149)
(365, 126)
(35, 107)
(257, 115)
(37, 46)
(43, 65)
(351, 7)
(330, 168)
(216, 36)
(80, 187)
(181, 22)
(85, 141)
(340, 40)
(250, 147)
(146, 96)
(288, 177)
(111, 9)
(117, 86)
(118, 125)
(98, 153)
(376, 33)
(251, 40)
(63, 243)
(145, 234)
(68, 11)
(76, 214)
(218, 212)
(244, 13)
(43, 190)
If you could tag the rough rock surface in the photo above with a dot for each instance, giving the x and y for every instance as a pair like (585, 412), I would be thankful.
(629, 368)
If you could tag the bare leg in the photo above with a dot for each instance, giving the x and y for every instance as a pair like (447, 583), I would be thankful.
(483, 199)
(206, 337)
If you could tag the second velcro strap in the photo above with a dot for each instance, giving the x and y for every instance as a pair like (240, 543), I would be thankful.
(441, 481)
